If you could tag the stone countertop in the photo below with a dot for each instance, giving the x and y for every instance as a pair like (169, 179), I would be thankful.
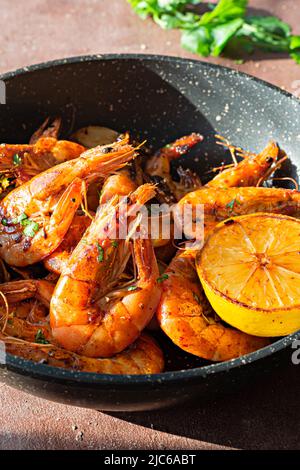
(266, 414)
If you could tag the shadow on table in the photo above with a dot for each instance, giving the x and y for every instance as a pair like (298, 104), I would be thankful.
(264, 415)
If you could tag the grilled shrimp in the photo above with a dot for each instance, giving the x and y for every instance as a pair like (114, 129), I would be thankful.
(184, 313)
(119, 184)
(158, 167)
(36, 216)
(26, 305)
(31, 338)
(57, 261)
(186, 317)
(142, 357)
(24, 161)
(249, 171)
(220, 204)
(86, 315)
(47, 129)
(17, 291)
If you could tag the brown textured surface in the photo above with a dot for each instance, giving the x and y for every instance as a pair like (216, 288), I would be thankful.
(266, 415)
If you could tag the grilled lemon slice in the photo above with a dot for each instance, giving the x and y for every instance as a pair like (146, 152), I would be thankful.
(250, 271)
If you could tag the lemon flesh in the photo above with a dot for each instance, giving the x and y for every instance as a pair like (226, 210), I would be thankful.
(250, 271)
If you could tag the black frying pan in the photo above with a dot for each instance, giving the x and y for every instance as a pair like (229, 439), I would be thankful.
(157, 98)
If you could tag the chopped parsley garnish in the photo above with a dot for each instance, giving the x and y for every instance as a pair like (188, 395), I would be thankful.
(100, 253)
(30, 227)
(40, 338)
(115, 244)
(17, 159)
(20, 219)
(231, 204)
(196, 297)
(131, 288)
(162, 278)
(4, 221)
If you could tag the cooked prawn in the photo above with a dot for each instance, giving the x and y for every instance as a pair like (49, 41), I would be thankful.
(119, 184)
(220, 204)
(57, 261)
(184, 313)
(158, 167)
(86, 315)
(47, 129)
(186, 317)
(21, 162)
(26, 302)
(142, 357)
(23, 332)
(249, 171)
(46, 204)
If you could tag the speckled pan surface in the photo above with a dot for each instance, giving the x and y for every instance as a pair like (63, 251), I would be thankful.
(157, 98)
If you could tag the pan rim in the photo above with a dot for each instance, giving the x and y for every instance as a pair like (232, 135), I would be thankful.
(45, 372)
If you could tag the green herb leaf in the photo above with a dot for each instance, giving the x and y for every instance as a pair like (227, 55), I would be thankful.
(224, 11)
(20, 219)
(296, 56)
(31, 228)
(295, 42)
(40, 338)
(230, 204)
(198, 41)
(162, 278)
(295, 48)
(17, 160)
(223, 33)
(115, 244)
(4, 221)
(268, 33)
(224, 28)
(100, 253)
(132, 288)
(196, 297)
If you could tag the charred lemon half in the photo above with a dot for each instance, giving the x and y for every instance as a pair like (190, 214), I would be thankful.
(250, 271)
